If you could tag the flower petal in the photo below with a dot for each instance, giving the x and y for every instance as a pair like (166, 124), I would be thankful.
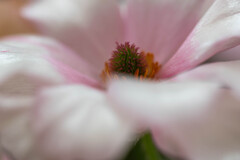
(150, 102)
(22, 72)
(213, 134)
(17, 140)
(25, 68)
(193, 116)
(76, 122)
(228, 55)
(27, 65)
(34, 49)
(217, 31)
(224, 73)
(89, 27)
(160, 26)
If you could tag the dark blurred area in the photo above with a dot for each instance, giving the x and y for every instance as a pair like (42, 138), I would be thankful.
(10, 18)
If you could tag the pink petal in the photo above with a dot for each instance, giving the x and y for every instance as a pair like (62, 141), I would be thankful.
(228, 55)
(90, 27)
(160, 26)
(77, 122)
(63, 61)
(224, 73)
(25, 68)
(22, 72)
(217, 31)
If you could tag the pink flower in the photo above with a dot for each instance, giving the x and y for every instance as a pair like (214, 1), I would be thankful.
(52, 103)
(50, 106)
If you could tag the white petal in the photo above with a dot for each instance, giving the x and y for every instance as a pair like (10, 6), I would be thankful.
(61, 59)
(193, 116)
(213, 134)
(16, 137)
(150, 102)
(76, 122)
(23, 71)
(27, 67)
(224, 73)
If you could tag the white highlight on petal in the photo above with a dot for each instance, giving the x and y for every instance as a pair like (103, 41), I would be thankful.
(76, 122)
(161, 101)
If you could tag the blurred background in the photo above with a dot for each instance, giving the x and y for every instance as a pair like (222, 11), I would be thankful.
(10, 19)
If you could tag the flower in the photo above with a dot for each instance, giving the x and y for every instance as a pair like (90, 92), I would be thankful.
(50, 109)
(192, 113)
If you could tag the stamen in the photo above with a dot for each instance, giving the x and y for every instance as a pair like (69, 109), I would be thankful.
(136, 74)
(127, 60)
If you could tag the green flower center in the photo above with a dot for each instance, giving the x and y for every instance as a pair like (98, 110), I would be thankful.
(127, 60)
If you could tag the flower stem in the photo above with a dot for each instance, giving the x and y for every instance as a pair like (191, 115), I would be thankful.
(145, 149)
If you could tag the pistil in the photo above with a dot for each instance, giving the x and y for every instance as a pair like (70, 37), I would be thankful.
(126, 61)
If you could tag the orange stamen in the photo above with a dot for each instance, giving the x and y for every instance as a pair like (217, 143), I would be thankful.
(136, 74)
(152, 68)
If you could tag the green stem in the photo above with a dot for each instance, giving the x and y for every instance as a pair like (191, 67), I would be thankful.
(145, 149)
(151, 153)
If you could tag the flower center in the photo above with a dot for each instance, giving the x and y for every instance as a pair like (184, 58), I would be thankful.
(127, 60)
